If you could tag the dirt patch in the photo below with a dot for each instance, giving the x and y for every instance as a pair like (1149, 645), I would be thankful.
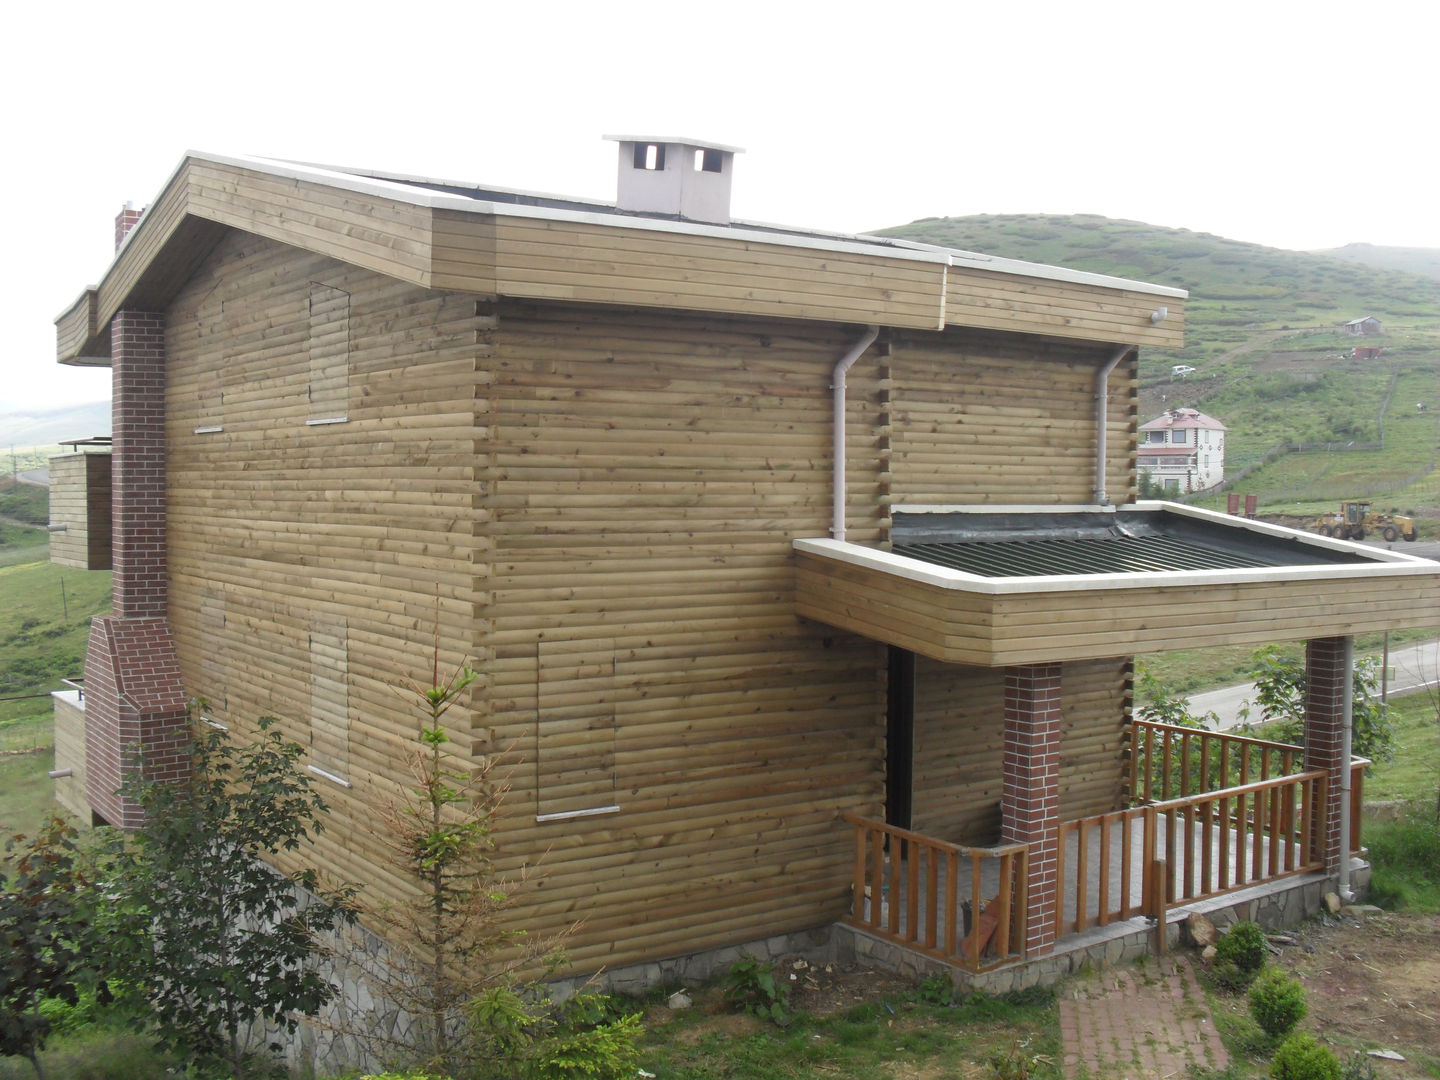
(1374, 984)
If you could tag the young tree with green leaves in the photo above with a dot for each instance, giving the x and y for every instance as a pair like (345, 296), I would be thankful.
(220, 940)
(1280, 682)
(45, 936)
(465, 979)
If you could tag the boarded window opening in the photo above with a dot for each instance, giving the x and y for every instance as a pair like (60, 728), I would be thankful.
(329, 698)
(329, 389)
(575, 731)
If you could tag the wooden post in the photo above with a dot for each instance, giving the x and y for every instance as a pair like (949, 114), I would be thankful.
(1158, 874)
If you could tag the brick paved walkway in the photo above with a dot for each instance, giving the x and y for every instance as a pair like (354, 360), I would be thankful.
(1145, 1022)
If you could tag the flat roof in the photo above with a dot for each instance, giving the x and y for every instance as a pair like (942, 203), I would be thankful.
(1122, 542)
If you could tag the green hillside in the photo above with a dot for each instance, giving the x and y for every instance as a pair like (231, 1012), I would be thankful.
(45, 615)
(1263, 332)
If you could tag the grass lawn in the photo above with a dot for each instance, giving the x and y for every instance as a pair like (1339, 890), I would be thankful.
(1415, 772)
(26, 792)
(45, 615)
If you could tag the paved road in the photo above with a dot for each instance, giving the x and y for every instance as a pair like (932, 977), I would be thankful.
(1413, 668)
(35, 476)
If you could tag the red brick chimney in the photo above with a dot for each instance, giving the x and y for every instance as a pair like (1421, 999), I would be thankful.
(124, 222)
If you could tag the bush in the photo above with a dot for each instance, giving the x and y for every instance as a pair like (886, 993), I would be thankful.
(1300, 1057)
(1277, 1002)
(1244, 946)
(753, 986)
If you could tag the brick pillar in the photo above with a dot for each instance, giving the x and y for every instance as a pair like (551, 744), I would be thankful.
(124, 222)
(1030, 804)
(134, 701)
(1327, 699)
(137, 462)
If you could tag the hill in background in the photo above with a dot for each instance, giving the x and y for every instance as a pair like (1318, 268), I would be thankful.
(46, 427)
(1412, 260)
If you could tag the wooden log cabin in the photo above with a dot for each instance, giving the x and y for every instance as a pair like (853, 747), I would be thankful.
(749, 532)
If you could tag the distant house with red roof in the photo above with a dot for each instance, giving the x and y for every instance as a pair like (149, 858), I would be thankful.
(1182, 450)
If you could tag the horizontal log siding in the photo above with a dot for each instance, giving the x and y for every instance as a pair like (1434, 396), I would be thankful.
(80, 501)
(70, 754)
(601, 263)
(981, 418)
(959, 752)
(649, 471)
(1022, 628)
(276, 526)
(960, 745)
(1064, 309)
(76, 327)
(1094, 696)
(1075, 624)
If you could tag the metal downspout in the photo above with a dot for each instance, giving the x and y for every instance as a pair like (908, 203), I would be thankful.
(837, 388)
(1102, 416)
(1347, 715)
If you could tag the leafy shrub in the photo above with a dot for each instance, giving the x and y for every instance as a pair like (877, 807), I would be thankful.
(1277, 1002)
(607, 1051)
(754, 988)
(937, 988)
(1300, 1057)
(1359, 1067)
(587, 1037)
(1014, 1063)
(1244, 946)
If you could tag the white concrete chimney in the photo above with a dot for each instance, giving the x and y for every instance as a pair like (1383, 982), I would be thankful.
(682, 177)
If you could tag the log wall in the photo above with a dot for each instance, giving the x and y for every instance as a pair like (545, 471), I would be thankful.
(649, 470)
(960, 745)
(983, 418)
(309, 561)
(80, 500)
(599, 502)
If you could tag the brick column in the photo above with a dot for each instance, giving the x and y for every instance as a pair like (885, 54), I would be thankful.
(135, 713)
(137, 480)
(1030, 804)
(1327, 709)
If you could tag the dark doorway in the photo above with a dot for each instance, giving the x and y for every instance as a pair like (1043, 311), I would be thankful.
(900, 738)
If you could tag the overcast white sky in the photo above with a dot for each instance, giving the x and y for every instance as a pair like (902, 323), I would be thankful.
(1298, 125)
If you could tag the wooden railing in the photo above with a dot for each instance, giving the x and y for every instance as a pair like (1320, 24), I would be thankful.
(1204, 845)
(1171, 762)
(907, 889)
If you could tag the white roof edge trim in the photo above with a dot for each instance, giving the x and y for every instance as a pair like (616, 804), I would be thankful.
(1004, 508)
(850, 244)
(958, 580)
(675, 140)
